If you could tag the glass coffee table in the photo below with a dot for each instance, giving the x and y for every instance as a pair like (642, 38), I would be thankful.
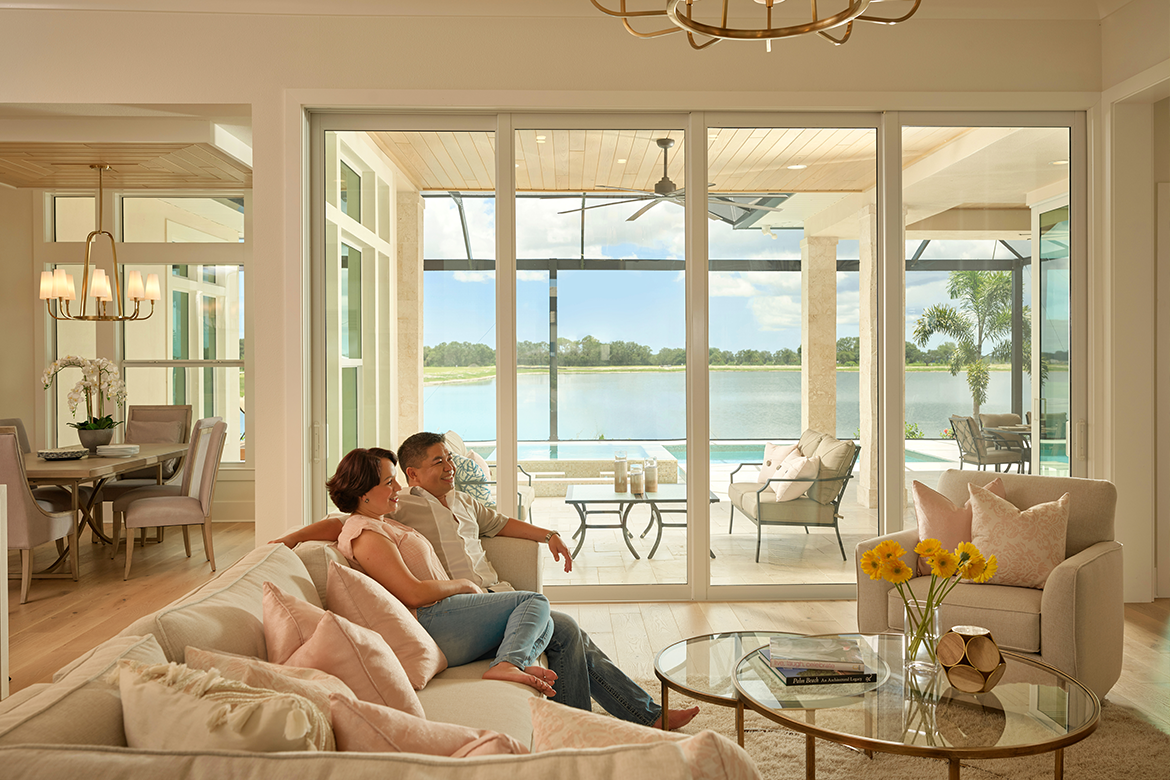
(1033, 709)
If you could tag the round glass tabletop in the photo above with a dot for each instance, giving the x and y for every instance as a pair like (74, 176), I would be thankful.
(704, 666)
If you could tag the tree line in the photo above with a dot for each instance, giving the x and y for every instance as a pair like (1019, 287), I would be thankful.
(589, 351)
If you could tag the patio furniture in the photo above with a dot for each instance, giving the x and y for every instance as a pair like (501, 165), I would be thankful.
(1075, 623)
(673, 496)
(982, 449)
(525, 493)
(1010, 433)
(819, 507)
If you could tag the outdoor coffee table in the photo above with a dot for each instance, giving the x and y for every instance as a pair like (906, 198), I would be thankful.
(1033, 709)
(673, 496)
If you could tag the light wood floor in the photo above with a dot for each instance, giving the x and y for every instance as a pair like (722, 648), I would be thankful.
(63, 619)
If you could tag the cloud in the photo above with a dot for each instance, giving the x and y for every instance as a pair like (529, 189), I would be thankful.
(478, 277)
(531, 276)
(775, 312)
(730, 285)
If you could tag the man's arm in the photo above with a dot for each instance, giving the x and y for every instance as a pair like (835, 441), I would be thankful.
(326, 530)
(521, 530)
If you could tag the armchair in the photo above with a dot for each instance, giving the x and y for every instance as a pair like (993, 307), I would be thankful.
(981, 449)
(1075, 623)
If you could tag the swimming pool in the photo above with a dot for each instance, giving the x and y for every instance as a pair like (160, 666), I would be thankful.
(583, 450)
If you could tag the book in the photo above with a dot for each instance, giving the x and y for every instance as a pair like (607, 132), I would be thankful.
(841, 654)
(822, 676)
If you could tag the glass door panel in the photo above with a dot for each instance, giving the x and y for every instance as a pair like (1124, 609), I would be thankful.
(1052, 337)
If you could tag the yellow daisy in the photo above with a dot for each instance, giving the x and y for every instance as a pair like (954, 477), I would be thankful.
(871, 564)
(896, 571)
(928, 547)
(944, 564)
(889, 550)
(973, 568)
(966, 551)
(988, 570)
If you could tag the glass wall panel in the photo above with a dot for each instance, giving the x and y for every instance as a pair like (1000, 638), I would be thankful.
(792, 251)
(73, 217)
(978, 200)
(601, 347)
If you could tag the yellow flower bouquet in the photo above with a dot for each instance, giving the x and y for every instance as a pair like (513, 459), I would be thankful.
(947, 568)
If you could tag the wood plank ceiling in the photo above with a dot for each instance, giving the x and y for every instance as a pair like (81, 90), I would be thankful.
(178, 166)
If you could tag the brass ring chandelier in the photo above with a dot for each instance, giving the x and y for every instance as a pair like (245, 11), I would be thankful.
(681, 14)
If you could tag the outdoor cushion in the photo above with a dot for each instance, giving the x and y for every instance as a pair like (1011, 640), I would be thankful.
(809, 441)
(801, 511)
(774, 455)
(471, 479)
(455, 443)
(836, 458)
(796, 469)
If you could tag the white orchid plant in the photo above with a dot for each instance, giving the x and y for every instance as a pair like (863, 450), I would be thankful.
(99, 382)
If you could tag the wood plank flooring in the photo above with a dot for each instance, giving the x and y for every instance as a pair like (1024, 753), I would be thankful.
(64, 618)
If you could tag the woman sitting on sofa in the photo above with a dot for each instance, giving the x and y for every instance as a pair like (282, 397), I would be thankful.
(466, 623)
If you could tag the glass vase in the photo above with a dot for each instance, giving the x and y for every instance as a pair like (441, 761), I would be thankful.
(920, 635)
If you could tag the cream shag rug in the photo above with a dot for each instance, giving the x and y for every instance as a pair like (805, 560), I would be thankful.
(1123, 746)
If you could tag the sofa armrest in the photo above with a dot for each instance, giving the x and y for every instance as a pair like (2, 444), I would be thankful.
(1082, 616)
(873, 613)
(518, 561)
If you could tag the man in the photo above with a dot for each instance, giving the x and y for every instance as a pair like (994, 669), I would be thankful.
(453, 522)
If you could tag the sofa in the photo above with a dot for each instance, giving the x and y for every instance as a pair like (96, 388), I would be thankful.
(73, 726)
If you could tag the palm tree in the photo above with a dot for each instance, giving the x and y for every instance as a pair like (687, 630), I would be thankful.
(982, 318)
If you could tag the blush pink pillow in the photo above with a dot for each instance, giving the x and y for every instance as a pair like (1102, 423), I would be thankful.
(362, 727)
(313, 684)
(359, 598)
(288, 622)
(797, 468)
(710, 755)
(939, 518)
(774, 455)
(362, 660)
(1027, 544)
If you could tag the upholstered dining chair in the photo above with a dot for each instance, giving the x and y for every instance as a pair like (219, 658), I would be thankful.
(185, 504)
(53, 498)
(31, 523)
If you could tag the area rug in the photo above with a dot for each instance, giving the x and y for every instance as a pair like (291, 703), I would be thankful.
(1123, 746)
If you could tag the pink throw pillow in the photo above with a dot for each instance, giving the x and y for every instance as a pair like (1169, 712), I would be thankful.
(359, 598)
(939, 518)
(710, 755)
(1027, 544)
(288, 622)
(313, 684)
(774, 455)
(797, 468)
(362, 727)
(362, 660)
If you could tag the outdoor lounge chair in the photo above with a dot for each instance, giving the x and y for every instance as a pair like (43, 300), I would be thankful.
(981, 449)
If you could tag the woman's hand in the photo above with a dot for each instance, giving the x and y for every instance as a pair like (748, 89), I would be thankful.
(467, 586)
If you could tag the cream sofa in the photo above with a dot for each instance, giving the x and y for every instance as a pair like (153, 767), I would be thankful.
(72, 727)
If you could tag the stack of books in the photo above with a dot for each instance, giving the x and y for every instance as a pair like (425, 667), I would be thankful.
(117, 450)
(807, 660)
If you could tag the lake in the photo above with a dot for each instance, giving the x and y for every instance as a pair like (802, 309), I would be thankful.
(652, 405)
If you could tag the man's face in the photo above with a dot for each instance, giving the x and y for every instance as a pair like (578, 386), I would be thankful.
(436, 473)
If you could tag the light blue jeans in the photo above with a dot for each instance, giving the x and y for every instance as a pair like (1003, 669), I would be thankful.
(513, 626)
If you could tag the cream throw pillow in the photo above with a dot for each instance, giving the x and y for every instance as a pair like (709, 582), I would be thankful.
(172, 707)
(1027, 544)
(939, 518)
(362, 727)
(313, 684)
(797, 468)
(710, 755)
(774, 455)
(362, 600)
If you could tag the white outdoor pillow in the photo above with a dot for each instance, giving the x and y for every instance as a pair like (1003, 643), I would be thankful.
(796, 468)
(774, 455)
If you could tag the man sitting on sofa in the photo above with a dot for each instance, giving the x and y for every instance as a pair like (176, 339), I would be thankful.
(454, 522)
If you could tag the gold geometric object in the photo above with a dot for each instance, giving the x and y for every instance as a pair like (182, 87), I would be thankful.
(59, 285)
(681, 13)
(971, 658)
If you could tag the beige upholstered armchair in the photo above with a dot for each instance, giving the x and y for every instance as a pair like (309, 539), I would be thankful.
(1075, 623)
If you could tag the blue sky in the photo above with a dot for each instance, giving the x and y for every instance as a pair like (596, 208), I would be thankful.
(748, 310)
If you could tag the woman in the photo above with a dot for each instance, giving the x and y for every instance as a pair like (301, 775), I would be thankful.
(466, 623)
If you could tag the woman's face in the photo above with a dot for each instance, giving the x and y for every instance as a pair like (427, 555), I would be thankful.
(382, 499)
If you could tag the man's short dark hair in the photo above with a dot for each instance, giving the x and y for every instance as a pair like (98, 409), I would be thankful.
(413, 451)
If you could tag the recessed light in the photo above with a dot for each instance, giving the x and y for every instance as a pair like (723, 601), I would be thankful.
(797, 167)
(622, 161)
(540, 139)
(1060, 162)
(517, 165)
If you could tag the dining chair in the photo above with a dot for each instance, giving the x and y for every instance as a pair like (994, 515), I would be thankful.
(55, 498)
(32, 522)
(189, 504)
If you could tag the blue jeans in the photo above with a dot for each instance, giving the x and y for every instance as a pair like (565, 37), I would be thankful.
(514, 627)
(584, 672)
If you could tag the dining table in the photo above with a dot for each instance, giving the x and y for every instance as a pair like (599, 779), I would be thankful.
(95, 471)
(1024, 433)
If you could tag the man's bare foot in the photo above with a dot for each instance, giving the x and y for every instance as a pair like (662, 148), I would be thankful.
(534, 676)
(676, 719)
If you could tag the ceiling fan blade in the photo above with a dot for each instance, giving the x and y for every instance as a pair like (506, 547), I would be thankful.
(600, 205)
(748, 206)
(644, 209)
(622, 189)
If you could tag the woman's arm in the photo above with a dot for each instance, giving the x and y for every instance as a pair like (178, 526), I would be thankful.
(326, 530)
(380, 559)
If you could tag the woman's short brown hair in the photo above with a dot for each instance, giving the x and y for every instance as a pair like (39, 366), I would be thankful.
(357, 474)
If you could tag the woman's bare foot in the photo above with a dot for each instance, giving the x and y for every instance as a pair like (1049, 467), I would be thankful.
(534, 676)
(676, 719)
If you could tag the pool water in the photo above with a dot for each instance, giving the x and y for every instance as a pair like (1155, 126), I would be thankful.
(575, 450)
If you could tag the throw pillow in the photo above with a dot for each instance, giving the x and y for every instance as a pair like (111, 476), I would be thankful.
(1027, 544)
(470, 478)
(154, 432)
(359, 598)
(455, 443)
(171, 707)
(940, 519)
(479, 461)
(774, 455)
(362, 660)
(288, 622)
(710, 755)
(313, 684)
(797, 468)
(362, 727)
(836, 457)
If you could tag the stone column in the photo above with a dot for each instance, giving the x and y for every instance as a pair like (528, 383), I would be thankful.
(409, 247)
(867, 380)
(818, 340)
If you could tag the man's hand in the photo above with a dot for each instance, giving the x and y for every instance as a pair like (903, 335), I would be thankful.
(559, 548)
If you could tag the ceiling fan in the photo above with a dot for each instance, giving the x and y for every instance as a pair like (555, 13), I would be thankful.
(719, 207)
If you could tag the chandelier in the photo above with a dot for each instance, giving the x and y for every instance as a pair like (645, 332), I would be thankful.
(712, 27)
(58, 285)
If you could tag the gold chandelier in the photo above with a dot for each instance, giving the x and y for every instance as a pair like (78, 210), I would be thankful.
(680, 13)
(58, 285)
